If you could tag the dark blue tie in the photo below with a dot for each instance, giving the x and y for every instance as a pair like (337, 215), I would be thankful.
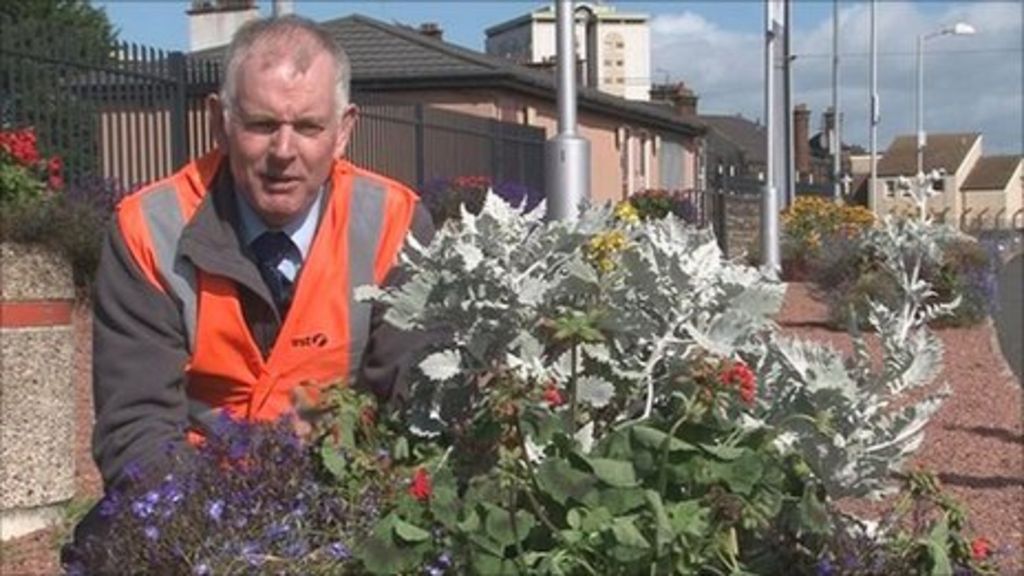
(270, 249)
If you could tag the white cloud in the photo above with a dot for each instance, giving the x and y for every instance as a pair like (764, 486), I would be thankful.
(972, 83)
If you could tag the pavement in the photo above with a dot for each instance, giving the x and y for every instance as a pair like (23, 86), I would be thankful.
(1009, 318)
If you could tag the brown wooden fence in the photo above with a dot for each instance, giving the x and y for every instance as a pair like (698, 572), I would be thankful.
(133, 113)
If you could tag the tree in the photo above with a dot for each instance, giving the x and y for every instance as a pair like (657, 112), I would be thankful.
(47, 49)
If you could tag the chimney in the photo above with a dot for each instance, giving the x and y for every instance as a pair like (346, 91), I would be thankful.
(212, 23)
(801, 139)
(432, 30)
(828, 121)
(282, 7)
(682, 99)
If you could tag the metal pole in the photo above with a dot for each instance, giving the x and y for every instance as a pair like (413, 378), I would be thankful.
(836, 137)
(873, 181)
(770, 257)
(567, 155)
(789, 194)
(920, 105)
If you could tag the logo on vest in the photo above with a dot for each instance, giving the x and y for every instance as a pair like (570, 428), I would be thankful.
(318, 340)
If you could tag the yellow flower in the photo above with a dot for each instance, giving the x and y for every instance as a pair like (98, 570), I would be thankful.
(626, 212)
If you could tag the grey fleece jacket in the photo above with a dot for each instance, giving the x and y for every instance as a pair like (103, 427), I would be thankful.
(139, 338)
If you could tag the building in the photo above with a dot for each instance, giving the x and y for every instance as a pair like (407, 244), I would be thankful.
(974, 191)
(620, 44)
(634, 145)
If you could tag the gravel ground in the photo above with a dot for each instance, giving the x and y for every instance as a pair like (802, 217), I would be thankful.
(975, 443)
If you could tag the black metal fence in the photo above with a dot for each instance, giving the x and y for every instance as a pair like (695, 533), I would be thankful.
(133, 113)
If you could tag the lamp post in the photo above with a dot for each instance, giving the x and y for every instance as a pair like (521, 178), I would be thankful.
(958, 29)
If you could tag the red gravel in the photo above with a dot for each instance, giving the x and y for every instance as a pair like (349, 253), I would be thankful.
(975, 443)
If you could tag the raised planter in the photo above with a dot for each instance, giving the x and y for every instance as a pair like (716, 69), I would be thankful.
(36, 388)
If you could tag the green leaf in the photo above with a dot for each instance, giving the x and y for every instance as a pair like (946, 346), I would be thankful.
(382, 554)
(627, 534)
(498, 525)
(741, 474)
(400, 451)
(491, 565)
(410, 532)
(618, 501)
(334, 460)
(561, 481)
(614, 472)
(665, 533)
(653, 438)
(689, 517)
(723, 452)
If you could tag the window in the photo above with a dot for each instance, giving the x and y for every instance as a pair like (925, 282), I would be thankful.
(890, 188)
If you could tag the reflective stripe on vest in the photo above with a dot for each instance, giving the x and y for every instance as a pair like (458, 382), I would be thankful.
(165, 222)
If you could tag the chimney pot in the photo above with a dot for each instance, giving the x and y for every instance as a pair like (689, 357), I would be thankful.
(432, 30)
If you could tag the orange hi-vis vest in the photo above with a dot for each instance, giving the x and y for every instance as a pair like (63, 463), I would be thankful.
(362, 229)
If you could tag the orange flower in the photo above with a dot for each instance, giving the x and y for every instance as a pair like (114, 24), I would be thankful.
(421, 488)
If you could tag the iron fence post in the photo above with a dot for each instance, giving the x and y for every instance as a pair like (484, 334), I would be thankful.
(179, 127)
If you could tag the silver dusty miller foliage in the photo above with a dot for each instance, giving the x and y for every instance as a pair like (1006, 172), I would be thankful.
(486, 285)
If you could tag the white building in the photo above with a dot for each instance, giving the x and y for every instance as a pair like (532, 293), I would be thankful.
(621, 43)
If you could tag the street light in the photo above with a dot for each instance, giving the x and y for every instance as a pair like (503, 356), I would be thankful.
(958, 29)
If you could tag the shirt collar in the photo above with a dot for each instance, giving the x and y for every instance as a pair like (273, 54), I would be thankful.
(301, 229)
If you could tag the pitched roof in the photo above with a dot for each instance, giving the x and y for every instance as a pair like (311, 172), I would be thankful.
(945, 151)
(992, 173)
(749, 136)
(391, 57)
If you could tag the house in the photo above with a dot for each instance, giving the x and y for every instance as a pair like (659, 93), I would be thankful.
(974, 190)
(619, 42)
(634, 145)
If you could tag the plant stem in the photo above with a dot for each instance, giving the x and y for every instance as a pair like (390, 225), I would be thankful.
(533, 482)
(573, 352)
(662, 472)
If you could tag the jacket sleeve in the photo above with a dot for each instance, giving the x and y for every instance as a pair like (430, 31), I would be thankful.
(139, 358)
(390, 351)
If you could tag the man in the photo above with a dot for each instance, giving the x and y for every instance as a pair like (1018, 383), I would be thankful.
(229, 286)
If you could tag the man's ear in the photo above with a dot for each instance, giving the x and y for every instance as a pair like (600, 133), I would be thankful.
(215, 109)
(348, 125)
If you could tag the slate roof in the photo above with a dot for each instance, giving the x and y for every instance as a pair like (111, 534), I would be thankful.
(992, 173)
(749, 136)
(946, 151)
(391, 57)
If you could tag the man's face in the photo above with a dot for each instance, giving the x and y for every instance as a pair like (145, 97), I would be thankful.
(282, 133)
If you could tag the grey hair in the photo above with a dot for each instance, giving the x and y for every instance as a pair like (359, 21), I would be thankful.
(286, 38)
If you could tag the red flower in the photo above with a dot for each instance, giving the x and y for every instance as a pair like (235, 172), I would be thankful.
(553, 397)
(421, 489)
(743, 377)
(21, 145)
(981, 547)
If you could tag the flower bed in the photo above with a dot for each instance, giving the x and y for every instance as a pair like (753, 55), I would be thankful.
(611, 397)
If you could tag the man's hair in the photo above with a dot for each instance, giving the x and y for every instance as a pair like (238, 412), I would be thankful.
(284, 38)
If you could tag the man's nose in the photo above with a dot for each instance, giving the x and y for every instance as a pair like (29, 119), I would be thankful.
(282, 143)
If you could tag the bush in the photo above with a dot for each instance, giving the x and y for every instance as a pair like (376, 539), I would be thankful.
(811, 222)
(848, 273)
(445, 197)
(606, 396)
(657, 203)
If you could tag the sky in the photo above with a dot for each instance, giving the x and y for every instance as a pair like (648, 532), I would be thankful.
(972, 83)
